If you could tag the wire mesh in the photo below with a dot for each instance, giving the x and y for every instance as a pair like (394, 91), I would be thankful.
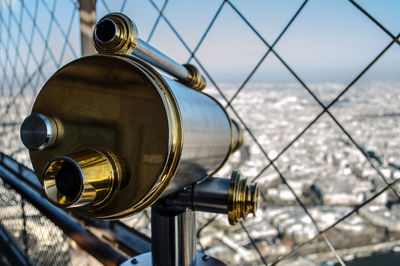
(299, 136)
(42, 242)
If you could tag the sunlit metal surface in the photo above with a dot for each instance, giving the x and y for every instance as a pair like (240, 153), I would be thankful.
(236, 197)
(242, 198)
(163, 135)
(81, 178)
(115, 33)
(115, 231)
(85, 239)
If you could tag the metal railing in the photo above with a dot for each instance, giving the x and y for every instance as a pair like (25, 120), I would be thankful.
(35, 223)
(40, 227)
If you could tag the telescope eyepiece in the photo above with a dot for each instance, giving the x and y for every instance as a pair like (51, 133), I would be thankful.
(105, 30)
(242, 197)
(115, 34)
(68, 180)
(86, 177)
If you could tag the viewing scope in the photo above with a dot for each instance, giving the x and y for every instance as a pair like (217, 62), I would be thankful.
(109, 135)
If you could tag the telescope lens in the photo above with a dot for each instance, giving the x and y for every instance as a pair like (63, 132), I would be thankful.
(105, 30)
(68, 181)
(81, 178)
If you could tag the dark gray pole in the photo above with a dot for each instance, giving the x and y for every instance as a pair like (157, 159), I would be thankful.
(173, 239)
(87, 15)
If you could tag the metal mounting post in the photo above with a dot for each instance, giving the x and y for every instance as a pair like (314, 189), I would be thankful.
(87, 16)
(173, 239)
(173, 242)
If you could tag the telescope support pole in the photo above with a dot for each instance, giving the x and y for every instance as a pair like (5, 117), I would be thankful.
(173, 242)
(173, 238)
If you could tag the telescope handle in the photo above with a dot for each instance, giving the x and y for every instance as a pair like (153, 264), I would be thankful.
(115, 33)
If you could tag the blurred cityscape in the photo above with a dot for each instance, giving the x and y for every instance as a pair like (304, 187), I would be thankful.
(326, 171)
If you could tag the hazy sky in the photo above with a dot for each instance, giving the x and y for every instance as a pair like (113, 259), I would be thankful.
(329, 41)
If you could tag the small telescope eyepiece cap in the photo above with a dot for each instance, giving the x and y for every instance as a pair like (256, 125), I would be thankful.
(38, 132)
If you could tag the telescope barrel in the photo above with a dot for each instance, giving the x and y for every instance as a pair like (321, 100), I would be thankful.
(110, 136)
(128, 136)
(117, 34)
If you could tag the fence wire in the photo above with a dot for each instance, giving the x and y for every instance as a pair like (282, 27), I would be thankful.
(30, 52)
(41, 241)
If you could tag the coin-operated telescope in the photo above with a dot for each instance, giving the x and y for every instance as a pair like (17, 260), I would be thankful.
(110, 136)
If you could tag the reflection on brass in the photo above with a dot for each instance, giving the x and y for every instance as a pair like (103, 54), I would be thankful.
(125, 107)
(163, 135)
(115, 33)
(85, 177)
(237, 136)
(196, 80)
(131, 135)
(242, 197)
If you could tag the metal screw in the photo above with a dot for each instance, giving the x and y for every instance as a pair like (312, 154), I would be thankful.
(206, 257)
(134, 261)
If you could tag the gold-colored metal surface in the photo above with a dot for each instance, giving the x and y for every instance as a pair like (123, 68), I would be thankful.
(237, 136)
(115, 33)
(196, 81)
(85, 177)
(162, 135)
(242, 197)
(124, 39)
(115, 104)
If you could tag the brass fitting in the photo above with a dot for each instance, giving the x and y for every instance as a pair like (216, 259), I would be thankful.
(86, 177)
(115, 33)
(242, 197)
(236, 136)
(196, 80)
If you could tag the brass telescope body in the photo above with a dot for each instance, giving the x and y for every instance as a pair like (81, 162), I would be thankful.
(110, 136)
(156, 135)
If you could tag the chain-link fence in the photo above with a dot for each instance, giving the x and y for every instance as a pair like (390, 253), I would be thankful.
(42, 241)
(324, 153)
(27, 56)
